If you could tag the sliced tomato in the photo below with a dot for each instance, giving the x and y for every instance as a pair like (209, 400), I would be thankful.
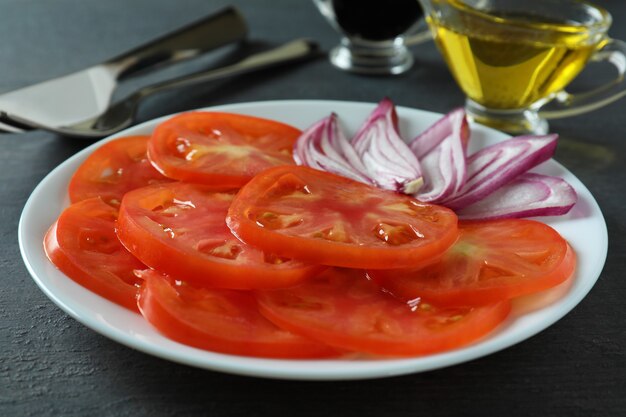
(226, 321)
(114, 169)
(83, 245)
(180, 229)
(302, 213)
(342, 308)
(493, 260)
(220, 148)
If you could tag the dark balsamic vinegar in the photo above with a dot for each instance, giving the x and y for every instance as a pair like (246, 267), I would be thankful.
(376, 20)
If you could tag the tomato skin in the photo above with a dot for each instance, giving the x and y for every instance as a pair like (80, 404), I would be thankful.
(493, 260)
(168, 227)
(222, 149)
(320, 202)
(224, 321)
(113, 169)
(344, 309)
(82, 244)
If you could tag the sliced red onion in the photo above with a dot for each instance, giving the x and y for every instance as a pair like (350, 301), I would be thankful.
(444, 171)
(386, 157)
(323, 146)
(528, 195)
(490, 184)
(442, 152)
(494, 166)
(454, 122)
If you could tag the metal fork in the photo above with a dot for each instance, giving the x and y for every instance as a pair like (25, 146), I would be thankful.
(122, 114)
(88, 92)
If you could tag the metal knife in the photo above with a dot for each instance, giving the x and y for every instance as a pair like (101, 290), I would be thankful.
(71, 98)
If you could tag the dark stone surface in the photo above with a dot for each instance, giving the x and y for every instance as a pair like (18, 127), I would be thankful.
(50, 365)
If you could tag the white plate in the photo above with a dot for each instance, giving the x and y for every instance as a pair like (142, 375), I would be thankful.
(583, 227)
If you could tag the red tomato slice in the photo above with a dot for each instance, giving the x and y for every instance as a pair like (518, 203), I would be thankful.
(220, 148)
(114, 169)
(180, 229)
(314, 216)
(83, 245)
(344, 309)
(493, 260)
(225, 321)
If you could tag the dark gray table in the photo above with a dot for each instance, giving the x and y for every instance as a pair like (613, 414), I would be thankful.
(52, 365)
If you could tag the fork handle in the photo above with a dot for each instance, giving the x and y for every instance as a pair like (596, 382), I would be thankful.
(220, 28)
(292, 51)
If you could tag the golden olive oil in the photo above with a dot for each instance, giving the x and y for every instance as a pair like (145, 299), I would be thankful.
(501, 62)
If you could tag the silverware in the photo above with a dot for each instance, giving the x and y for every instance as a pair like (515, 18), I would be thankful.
(7, 127)
(72, 98)
(122, 114)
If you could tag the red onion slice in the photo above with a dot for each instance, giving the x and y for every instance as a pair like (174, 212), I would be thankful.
(444, 171)
(492, 183)
(444, 164)
(528, 195)
(496, 165)
(386, 157)
(454, 122)
(324, 146)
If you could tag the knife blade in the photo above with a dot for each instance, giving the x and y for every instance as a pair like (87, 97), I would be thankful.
(74, 97)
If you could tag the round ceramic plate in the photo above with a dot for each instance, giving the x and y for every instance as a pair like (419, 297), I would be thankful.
(583, 227)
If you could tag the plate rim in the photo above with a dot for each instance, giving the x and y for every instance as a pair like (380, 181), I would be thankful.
(287, 368)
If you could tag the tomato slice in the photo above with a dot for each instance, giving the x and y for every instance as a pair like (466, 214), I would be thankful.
(114, 169)
(83, 245)
(344, 309)
(180, 229)
(493, 260)
(220, 148)
(220, 320)
(302, 213)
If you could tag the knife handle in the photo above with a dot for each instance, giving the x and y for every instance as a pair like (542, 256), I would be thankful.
(297, 50)
(220, 28)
